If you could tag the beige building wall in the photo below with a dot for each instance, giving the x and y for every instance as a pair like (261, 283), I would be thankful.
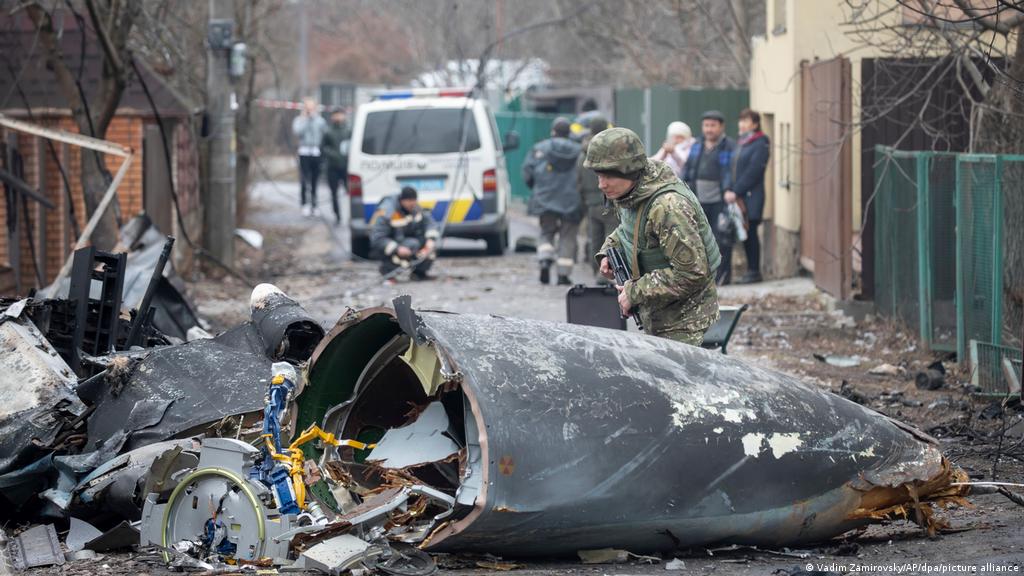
(805, 31)
(799, 31)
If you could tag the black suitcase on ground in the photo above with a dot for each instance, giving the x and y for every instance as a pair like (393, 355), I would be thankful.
(594, 306)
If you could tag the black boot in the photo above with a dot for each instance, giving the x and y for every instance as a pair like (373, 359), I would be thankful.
(545, 273)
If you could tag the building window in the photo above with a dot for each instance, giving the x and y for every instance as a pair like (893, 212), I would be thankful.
(779, 17)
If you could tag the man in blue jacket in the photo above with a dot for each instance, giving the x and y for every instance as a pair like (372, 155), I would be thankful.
(749, 164)
(708, 174)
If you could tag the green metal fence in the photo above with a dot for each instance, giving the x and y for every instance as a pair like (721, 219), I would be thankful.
(662, 105)
(939, 244)
(915, 270)
(532, 128)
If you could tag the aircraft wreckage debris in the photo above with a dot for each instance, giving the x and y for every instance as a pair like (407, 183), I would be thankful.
(400, 432)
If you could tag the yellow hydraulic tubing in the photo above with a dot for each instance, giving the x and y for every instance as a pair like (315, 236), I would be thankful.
(295, 459)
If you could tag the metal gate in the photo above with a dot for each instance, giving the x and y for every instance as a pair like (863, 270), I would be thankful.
(826, 196)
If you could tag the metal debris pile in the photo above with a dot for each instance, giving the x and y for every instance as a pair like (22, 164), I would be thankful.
(397, 434)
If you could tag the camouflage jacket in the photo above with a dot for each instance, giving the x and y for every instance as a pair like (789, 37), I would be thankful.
(681, 296)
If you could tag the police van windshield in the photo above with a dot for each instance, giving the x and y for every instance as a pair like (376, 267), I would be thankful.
(420, 131)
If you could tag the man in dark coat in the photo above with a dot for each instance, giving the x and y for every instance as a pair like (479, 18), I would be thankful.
(550, 173)
(334, 148)
(709, 176)
(749, 164)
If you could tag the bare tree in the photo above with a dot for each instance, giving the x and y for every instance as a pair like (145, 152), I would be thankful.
(112, 21)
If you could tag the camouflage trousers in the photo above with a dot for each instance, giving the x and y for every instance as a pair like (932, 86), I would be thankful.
(684, 336)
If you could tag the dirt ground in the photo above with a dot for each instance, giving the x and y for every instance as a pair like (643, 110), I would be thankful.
(789, 326)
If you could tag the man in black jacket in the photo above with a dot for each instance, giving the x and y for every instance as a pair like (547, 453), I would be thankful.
(403, 235)
(334, 148)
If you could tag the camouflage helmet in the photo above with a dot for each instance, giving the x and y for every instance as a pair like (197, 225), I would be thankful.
(616, 150)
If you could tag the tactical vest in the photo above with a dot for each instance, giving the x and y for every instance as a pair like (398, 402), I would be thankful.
(634, 242)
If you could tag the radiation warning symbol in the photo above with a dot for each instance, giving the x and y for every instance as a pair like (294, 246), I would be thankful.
(506, 466)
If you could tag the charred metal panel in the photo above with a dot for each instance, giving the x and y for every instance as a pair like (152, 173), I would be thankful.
(177, 390)
(196, 383)
(38, 391)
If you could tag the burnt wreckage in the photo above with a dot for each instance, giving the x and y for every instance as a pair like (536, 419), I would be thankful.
(429, 431)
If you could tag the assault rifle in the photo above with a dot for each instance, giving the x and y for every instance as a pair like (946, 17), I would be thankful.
(617, 262)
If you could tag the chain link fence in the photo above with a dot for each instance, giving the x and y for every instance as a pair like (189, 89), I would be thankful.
(947, 261)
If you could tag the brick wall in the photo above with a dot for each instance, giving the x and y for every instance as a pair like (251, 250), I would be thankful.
(56, 233)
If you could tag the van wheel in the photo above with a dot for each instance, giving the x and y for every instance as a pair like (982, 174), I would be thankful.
(361, 247)
(497, 243)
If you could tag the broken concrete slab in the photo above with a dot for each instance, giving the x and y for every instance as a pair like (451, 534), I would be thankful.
(37, 546)
(77, 555)
(559, 424)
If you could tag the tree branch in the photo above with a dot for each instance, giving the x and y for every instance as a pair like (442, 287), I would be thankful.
(986, 20)
(743, 66)
(55, 60)
(111, 53)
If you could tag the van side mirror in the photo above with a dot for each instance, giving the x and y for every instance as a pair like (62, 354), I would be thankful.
(511, 141)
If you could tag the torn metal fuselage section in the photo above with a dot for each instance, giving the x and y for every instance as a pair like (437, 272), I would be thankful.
(554, 438)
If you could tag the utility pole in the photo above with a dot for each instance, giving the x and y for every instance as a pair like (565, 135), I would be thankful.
(219, 207)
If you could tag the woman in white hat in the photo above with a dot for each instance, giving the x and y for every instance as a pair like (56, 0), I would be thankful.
(676, 149)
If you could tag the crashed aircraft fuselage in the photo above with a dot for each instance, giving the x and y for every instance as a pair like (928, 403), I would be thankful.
(569, 437)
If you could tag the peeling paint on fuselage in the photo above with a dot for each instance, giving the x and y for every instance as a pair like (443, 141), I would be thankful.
(779, 444)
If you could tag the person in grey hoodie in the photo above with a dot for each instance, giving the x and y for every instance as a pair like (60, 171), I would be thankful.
(309, 128)
(550, 172)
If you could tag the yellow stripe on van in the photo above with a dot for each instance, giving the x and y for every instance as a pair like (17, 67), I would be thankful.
(460, 209)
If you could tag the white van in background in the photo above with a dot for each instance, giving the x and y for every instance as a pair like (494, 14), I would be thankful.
(445, 144)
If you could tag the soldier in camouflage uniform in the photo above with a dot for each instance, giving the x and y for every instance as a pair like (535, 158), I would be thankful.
(664, 235)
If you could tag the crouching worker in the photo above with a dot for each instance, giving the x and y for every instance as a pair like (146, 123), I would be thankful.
(402, 235)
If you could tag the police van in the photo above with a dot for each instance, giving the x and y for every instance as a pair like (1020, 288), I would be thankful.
(445, 144)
